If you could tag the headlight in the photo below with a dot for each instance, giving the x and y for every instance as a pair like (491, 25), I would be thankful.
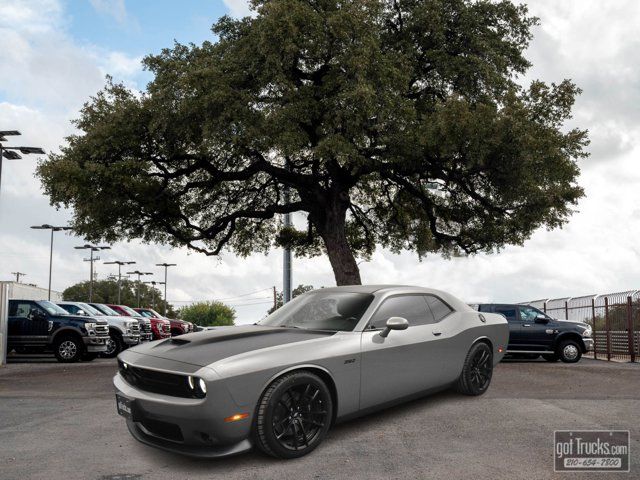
(90, 327)
(197, 386)
(587, 332)
(131, 324)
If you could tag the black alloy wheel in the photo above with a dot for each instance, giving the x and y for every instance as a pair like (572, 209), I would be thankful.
(294, 415)
(477, 370)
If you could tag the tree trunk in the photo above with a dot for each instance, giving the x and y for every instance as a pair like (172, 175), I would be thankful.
(332, 231)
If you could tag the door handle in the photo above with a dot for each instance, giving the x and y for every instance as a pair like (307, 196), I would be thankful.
(526, 325)
(437, 334)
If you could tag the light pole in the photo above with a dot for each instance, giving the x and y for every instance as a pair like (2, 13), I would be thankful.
(139, 273)
(120, 263)
(166, 266)
(53, 229)
(92, 248)
(153, 284)
(10, 152)
(18, 275)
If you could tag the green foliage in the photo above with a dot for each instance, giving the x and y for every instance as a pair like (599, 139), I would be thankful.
(390, 123)
(106, 291)
(208, 314)
(299, 290)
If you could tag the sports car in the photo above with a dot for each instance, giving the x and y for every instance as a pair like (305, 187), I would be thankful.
(326, 356)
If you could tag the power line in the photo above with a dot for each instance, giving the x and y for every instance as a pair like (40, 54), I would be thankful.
(243, 295)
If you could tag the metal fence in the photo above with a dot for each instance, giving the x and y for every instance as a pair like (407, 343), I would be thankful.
(614, 317)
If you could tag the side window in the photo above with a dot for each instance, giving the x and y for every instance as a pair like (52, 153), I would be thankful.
(439, 309)
(70, 308)
(411, 307)
(507, 311)
(19, 309)
(529, 314)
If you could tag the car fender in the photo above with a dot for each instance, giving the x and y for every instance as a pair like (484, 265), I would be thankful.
(64, 330)
(569, 335)
(296, 367)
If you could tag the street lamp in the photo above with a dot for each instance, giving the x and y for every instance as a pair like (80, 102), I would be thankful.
(53, 229)
(10, 153)
(153, 284)
(139, 273)
(92, 248)
(166, 266)
(120, 263)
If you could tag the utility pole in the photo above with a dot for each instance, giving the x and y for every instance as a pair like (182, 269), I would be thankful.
(120, 263)
(275, 301)
(166, 266)
(139, 273)
(286, 257)
(18, 275)
(53, 229)
(91, 259)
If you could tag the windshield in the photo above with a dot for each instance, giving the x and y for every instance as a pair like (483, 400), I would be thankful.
(147, 313)
(89, 310)
(336, 311)
(106, 310)
(52, 308)
(130, 311)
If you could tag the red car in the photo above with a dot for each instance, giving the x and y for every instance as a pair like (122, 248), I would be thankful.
(178, 327)
(159, 328)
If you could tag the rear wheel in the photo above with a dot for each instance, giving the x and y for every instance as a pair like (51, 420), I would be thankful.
(477, 370)
(68, 349)
(294, 415)
(569, 351)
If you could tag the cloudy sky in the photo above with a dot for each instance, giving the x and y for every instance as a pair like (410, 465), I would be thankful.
(56, 53)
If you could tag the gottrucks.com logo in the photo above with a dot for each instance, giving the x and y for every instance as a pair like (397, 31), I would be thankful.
(595, 450)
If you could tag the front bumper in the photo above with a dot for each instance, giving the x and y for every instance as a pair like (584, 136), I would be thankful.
(146, 336)
(189, 426)
(131, 339)
(96, 344)
(588, 344)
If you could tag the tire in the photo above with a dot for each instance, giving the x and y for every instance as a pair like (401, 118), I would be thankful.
(293, 415)
(551, 357)
(569, 351)
(477, 370)
(88, 357)
(114, 345)
(68, 349)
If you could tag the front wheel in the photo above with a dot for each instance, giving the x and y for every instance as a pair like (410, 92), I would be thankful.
(294, 415)
(69, 349)
(569, 351)
(477, 370)
(114, 345)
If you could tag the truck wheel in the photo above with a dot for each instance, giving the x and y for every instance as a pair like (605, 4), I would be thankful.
(114, 345)
(477, 370)
(569, 351)
(294, 415)
(551, 357)
(68, 349)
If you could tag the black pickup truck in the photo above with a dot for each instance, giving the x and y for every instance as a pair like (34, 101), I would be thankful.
(533, 333)
(37, 326)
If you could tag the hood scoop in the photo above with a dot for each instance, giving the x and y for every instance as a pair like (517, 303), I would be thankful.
(179, 341)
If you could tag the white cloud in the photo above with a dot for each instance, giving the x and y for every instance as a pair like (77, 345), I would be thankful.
(239, 8)
(113, 8)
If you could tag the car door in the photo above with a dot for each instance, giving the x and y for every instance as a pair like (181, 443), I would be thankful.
(511, 313)
(538, 335)
(24, 326)
(402, 363)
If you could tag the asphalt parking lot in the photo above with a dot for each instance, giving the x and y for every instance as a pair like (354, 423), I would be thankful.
(59, 422)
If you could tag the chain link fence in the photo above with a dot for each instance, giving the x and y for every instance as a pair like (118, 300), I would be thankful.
(614, 317)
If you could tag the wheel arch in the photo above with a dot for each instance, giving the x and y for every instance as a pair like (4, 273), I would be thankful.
(569, 336)
(318, 370)
(482, 339)
(64, 332)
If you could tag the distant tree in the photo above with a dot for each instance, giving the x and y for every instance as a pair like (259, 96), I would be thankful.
(403, 124)
(106, 291)
(299, 290)
(208, 314)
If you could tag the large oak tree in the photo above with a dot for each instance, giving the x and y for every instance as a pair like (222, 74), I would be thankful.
(399, 123)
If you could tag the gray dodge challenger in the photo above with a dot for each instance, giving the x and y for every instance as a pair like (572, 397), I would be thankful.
(327, 356)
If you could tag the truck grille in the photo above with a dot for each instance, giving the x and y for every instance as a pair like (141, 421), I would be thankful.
(146, 327)
(166, 328)
(102, 329)
(155, 382)
(135, 329)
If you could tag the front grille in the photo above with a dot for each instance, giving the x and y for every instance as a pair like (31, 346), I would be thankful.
(166, 328)
(135, 329)
(145, 327)
(102, 329)
(156, 382)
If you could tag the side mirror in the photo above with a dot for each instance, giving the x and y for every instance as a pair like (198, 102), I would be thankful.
(394, 323)
(81, 312)
(542, 319)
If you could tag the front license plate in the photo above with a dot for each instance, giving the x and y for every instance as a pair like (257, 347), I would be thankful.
(125, 406)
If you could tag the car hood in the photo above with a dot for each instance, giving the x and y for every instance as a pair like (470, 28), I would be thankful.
(207, 347)
(573, 322)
